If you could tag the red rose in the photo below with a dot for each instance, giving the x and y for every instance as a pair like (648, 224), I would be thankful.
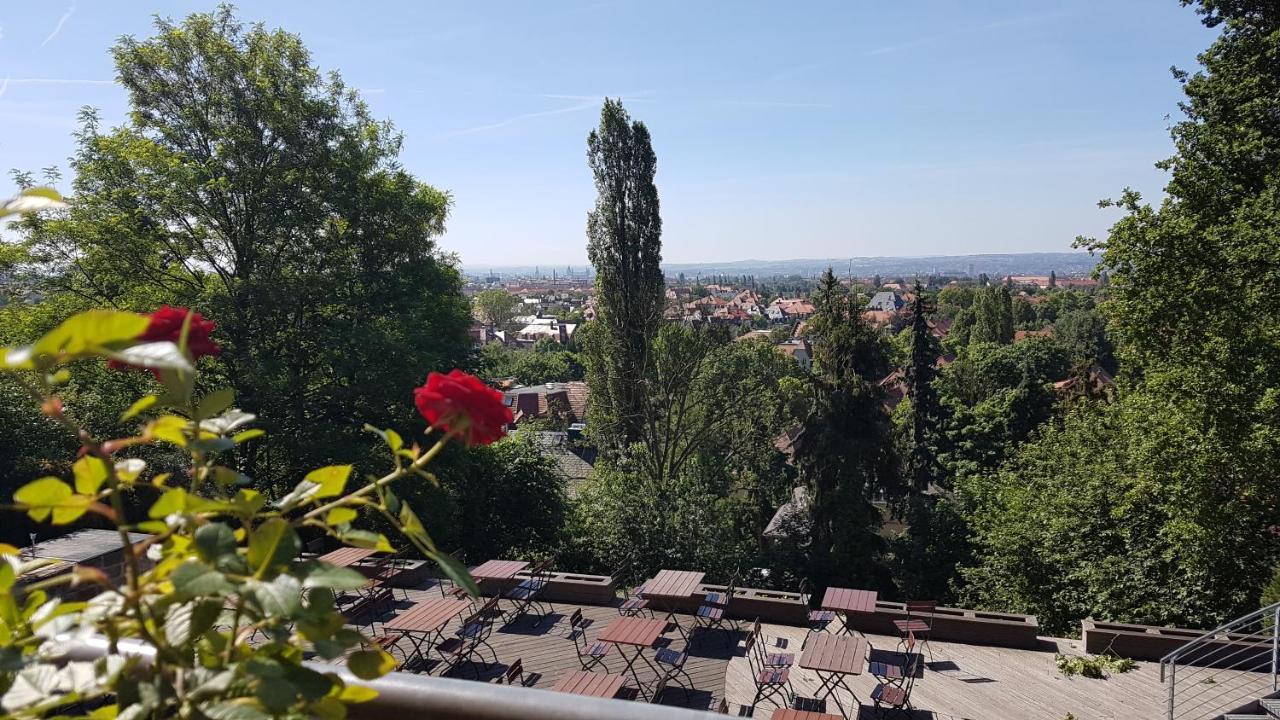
(461, 404)
(166, 324)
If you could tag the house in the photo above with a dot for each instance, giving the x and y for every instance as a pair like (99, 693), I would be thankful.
(789, 310)
(1094, 382)
(573, 462)
(568, 399)
(540, 327)
(799, 351)
(886, 301)
(1019, 335)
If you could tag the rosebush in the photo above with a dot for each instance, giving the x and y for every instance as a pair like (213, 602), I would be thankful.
(221, 564)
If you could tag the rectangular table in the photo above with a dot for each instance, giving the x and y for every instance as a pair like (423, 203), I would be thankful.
(424, 623)
(790, 714)
(592, 684)
(847, 600)
(638, 633)
(832, 658)
(347, 556)
(669, 588)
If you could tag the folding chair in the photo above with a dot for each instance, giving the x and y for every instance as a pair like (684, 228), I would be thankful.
(514, 670)
(769, 659)
(466, 642)
(720, 599)
(529, 592)
(818, 619)
(889, 697)
(589, 654)
(770, 682)
(671, 667)
(388, 567)
(633, 604)
(919, 621)
(897, 673)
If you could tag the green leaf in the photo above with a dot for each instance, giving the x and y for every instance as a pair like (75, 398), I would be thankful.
(366, 539)
(331, 479)
(185, 622)
(329, 576)
(457, 572)
(238, 709)
(32, 200)
(196, 578)
(93, 331)
(138, 406)
(282, 597)
(174, 500)
(341, 515)
(90, 473)
(163, 355)
(370, 664)
(214, 541)
(215, 402)
(248, 435)
(248, 501)
(51, 498)
(301, 493)
(273, 543)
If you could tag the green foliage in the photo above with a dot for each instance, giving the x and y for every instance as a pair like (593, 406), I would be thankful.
(225, 564)
(496, 307)
(624, 243)
(1098, 667)
(544, 364)
(247, 183)
(993, 316)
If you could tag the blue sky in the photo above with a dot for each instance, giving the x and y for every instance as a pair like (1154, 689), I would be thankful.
(783, 130)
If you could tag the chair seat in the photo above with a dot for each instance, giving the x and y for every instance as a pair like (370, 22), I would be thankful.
(532, 584)
(886, 671)
(716, 598)
(710, 612)
(784, 660)
(913, 625)
(667, 656)
(635, 604)
(520, 593)
(771, 676)
(451, 646)
(469, 631)
(387, 640)
(599, 649)
(889, 695)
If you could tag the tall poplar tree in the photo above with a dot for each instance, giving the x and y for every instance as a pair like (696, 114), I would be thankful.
(624, 242)
(926, 410)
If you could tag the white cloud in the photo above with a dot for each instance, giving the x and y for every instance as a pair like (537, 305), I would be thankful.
(71, 9)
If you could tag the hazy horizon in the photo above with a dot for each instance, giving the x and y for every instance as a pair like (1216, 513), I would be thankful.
(838, 131)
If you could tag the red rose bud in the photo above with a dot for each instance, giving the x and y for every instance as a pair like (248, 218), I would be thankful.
(462, 405)
(52, 407)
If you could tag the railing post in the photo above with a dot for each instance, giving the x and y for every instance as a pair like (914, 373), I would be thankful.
(1173, 670)
(1275, 645)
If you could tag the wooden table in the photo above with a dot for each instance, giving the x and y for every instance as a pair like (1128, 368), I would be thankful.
(833, 658)
(497, 570)
(789, 714)
(638, 633)
(424, 623)
(669, 588)
(585, 682)
(846, 601)
(347, 556)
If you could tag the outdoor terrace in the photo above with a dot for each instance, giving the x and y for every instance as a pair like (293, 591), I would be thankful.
(960, 680)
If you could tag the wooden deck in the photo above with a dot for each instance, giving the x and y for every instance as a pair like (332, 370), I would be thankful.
(960, 682)
(547, 652)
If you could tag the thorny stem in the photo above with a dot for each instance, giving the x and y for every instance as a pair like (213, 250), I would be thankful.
(382, 481)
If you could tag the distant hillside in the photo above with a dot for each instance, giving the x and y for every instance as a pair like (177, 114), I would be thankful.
(1063, 263)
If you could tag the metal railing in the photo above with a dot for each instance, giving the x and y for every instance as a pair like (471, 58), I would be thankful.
(1224, 668)
(422, 697)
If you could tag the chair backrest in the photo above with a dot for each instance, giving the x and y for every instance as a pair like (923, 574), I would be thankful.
(921, 607)
(515, 670)
(543, 567)
(804, 592)
(575, 620)
(755, 632)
